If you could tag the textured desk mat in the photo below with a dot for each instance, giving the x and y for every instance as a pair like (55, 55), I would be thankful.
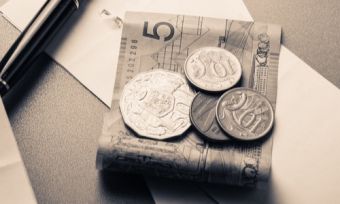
(310, 29)
(56, 123)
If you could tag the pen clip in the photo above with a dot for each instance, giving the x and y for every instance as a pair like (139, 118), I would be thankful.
(4, 83)
(76, 2)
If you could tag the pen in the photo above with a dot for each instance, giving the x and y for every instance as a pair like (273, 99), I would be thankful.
(32, 41)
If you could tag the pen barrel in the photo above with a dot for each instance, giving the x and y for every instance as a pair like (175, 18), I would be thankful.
(40, 38)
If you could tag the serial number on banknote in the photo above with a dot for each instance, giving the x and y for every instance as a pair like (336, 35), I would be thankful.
(132, 58)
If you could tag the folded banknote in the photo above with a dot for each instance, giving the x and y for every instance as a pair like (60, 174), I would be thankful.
(164, 41)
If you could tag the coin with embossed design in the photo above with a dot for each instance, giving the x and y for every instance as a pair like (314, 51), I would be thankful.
(212, 69)
(203, 117)
(244, 114)
(155, 104)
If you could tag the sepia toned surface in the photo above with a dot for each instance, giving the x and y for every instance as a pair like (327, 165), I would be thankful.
(156, 104)
(311, 30)
(37, 141)
(212, 69)
(257, 47)
(203, 117)
(244, 114)
(56, 123)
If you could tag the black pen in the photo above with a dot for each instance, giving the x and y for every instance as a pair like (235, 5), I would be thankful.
(32, 41)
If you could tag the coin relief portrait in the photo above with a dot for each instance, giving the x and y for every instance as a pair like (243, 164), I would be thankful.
(213, 69)
(245, 114)
(156, 104)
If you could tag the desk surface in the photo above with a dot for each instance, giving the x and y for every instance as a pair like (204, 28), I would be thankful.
(56, 121)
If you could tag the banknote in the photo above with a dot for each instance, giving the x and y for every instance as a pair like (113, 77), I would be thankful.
(164, 41)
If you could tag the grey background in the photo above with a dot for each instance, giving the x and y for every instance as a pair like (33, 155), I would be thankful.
(56, 121)
(310, 29)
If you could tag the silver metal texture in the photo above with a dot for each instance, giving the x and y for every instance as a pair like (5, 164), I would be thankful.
(213, 69)
(245, 114)
(155, 104)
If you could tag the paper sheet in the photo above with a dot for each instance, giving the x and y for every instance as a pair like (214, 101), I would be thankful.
(14, 183)
(305, 162)
(305, 154)
(305, 158)
(88, 45)
(20, 13)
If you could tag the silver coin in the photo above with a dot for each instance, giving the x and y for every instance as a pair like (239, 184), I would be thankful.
(212, 69)
(203, 117)
(245, 114)
(155, 104)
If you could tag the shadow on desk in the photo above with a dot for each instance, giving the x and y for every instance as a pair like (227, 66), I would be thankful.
(28, 84)
(113, 184)
(57, 123)
(176, 191)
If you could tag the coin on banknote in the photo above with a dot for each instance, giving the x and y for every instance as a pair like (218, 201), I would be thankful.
(245, 114)
(212, 69)
(155, 104)
(203, 117)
